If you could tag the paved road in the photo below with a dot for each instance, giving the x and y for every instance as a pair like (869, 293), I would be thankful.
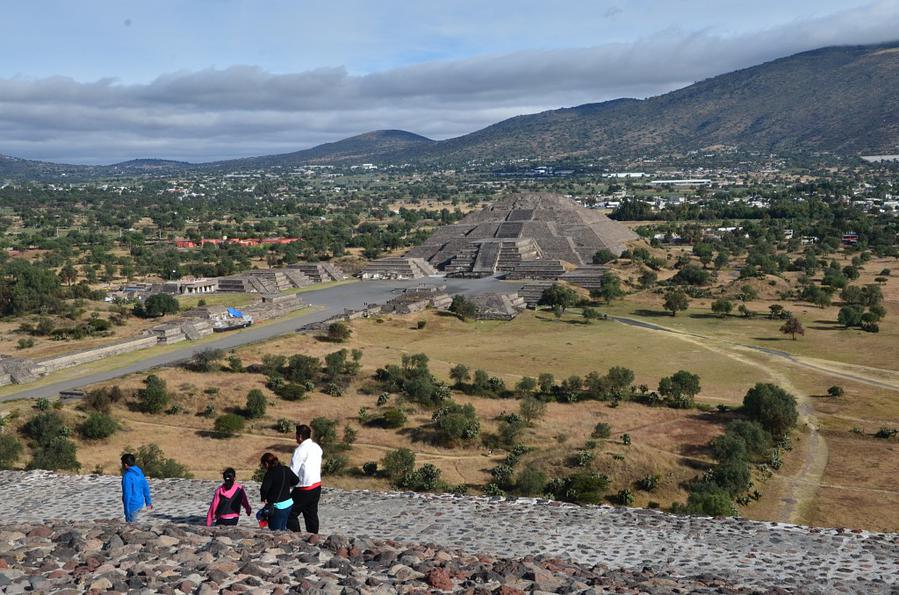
(331, 300)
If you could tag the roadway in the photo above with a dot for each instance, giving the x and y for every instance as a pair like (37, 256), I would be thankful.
(329, 301)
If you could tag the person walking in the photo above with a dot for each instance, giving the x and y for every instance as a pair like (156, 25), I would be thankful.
(275, 491)
(135, 488)
(307, 465)
(226, 502)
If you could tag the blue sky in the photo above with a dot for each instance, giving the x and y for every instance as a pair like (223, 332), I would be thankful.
(99, 81)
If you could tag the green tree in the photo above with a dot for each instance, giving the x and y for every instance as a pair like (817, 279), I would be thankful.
(604, 256)
(339, 331)
(256, 404)
(558, 296)
(526, 386)
(98, 426)
(722, 307)
(792, 327)
(324, 431)
(463, 307)
(460, 374)
(206, 359)
(681, 388)
(773, 407)
(397, 464)
(675, 301)
(456, 423)
(610, 287)
(153, 462)
(157, 305)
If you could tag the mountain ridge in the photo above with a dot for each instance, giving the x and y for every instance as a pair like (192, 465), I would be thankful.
(838, 99)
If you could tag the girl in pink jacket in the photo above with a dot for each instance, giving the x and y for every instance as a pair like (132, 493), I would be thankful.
(226, 502)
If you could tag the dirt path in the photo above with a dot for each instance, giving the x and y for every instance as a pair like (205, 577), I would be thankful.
(805, 482)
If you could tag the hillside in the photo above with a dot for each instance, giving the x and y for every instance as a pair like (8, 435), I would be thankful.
(370, 146)
(840, 99)
(843, 100)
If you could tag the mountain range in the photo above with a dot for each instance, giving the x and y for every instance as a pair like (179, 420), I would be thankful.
(843, 100)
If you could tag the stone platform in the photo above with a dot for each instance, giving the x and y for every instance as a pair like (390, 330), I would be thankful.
(744, 553)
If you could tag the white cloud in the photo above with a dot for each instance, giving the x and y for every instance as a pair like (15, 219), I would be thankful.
(245, 110)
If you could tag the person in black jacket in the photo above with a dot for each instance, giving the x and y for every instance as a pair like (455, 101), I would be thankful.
(276, 491)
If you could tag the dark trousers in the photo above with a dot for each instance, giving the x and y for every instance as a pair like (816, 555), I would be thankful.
(305, 502)
(278, 519)
(227, 522)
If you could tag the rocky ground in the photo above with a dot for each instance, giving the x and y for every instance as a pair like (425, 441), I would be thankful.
(524, 540)
(103, 556)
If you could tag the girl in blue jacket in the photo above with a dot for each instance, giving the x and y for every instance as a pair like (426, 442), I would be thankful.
(135, 489)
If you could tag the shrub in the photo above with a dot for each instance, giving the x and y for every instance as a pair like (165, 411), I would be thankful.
(625, 497)
(510, 427)
(558, 296)
(626, 439)
(235, 364)
(710, 503)
(98, 426)
(835, 391)
(205, 360)
(102, 399)
(648, 483)
(603, 256)
(256, 404)
(755, 438)
(582, 487)
(394, 417)
(398, 463)
(324, 431)
(10, 450)
(339, 331)
(289, 391)
(722, 307)
(154, 463)
(154, 397)
(228, 424)
(583, 458)
(773, 407)
(333, 464)
(283, 426)
(421, 324)
(531, 409)
(45, 426)
(531, 481)
(424, 479)
(54, 454)
(25, 343)
(370, 468)
(456, 422)
(157, 305)
(602, 430)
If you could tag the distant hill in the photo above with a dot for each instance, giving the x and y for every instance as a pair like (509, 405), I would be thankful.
(839, 99)
(843, 100)
(371, 146)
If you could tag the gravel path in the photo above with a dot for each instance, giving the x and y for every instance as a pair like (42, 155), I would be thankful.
(748, 553)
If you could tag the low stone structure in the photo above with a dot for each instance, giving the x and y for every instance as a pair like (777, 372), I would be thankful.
(76, 358)
(397, 267)
(320, 272)
(589, 277)
(532, 292)
(547, 269)
(498, 306)
(416, 299)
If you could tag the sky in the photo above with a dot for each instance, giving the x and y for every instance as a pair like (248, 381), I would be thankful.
(102, 81)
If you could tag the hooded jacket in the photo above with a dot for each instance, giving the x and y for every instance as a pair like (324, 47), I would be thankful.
(135, 491)
(229, 501)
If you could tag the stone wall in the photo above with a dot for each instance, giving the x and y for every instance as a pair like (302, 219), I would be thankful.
(68, 360)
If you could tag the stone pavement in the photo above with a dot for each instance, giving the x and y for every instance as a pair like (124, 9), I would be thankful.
(748, 553)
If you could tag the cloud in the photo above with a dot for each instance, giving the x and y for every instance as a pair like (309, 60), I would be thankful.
(246, 110)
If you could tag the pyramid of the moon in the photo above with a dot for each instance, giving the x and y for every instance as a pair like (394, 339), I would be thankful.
(522, 228)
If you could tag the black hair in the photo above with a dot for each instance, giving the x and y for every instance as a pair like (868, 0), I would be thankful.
(268, 460)
(229, 475)
(304, 431)
(128, 459)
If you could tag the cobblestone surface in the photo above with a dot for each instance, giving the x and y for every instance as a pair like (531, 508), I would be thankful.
(747, 553)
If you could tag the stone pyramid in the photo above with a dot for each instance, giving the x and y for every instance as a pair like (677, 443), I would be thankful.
(521, 228)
